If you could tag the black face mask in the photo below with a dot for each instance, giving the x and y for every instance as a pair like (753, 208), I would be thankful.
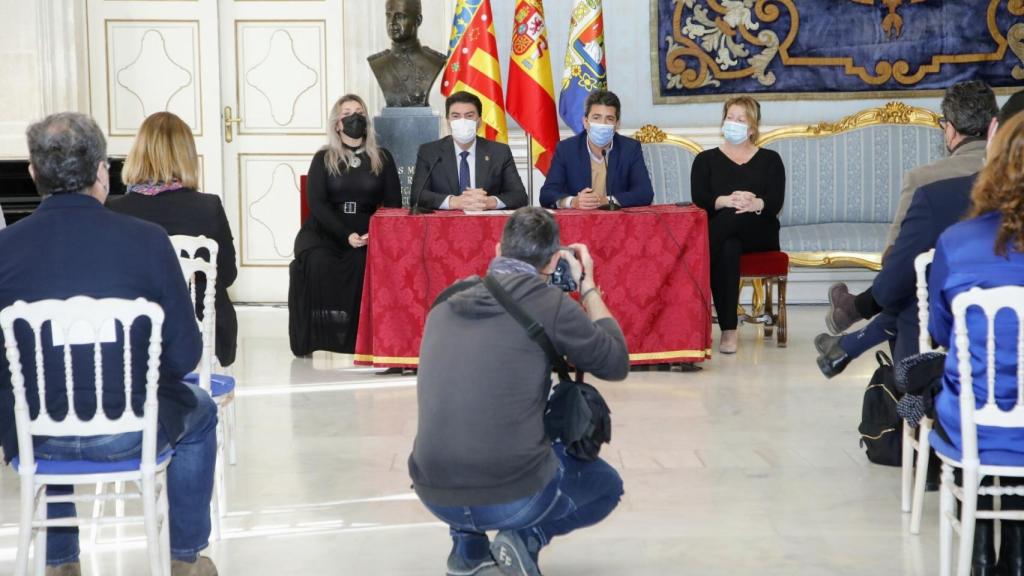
(354, 126)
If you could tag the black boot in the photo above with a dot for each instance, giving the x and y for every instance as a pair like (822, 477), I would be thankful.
(1011, 560)
(832, 359)
(983, 560)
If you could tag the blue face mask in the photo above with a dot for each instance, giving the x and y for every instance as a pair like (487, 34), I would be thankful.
(735, 132)
(601, 134)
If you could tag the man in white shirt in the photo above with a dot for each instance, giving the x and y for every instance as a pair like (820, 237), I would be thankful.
(465, 171)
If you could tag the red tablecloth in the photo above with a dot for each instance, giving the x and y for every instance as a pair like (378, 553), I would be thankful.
(651, 264)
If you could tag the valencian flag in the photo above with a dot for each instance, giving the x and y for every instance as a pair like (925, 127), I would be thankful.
(531, 98)
(585, 69)
(473, 64)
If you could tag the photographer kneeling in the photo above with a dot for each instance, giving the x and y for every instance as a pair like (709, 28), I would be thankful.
(482, 460)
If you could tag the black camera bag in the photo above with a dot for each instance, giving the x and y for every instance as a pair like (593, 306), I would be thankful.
(576, 414)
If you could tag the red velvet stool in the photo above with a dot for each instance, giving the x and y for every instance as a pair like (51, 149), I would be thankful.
(764, 270)
(303, 202)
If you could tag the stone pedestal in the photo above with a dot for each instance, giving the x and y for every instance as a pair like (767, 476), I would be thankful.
(402, 131)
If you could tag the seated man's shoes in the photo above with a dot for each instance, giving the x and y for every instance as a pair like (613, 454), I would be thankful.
(66, 569)
(842, 312)
(513, 555)
(203, 566)
(832, 359)
(983, 557)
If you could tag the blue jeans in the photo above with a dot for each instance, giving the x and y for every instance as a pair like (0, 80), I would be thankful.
(882, 328)
(189, 480)
(580, 495)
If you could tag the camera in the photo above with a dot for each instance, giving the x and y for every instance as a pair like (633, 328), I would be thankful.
(562, 276)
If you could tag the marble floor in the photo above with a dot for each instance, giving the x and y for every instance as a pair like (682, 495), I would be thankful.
(750, 467)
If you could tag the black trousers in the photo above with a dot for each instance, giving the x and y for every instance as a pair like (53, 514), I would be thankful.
(731, 235)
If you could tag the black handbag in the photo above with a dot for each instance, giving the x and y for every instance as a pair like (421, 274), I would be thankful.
(576, 414)
(881, 427)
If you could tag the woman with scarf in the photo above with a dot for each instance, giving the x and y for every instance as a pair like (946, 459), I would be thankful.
(348, 180)
(162, 178)
(742, 188)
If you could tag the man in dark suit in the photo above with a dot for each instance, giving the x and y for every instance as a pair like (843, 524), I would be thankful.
(466, 172)
(71, 245)
(934, 208)
(598, 167)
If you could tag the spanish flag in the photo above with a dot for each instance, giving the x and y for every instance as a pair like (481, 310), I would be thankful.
(473, 64)
(531, 94)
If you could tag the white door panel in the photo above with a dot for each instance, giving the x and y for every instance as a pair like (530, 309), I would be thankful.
(279, 77)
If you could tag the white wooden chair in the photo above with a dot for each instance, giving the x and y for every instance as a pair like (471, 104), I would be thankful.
(990, 301)
(86, 321)
(912, 493)
(221, 387)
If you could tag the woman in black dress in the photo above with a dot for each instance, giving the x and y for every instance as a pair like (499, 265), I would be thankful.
(348, 180)
(742, 188)
(162, 176)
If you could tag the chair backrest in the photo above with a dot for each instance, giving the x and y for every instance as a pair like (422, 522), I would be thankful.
(669, 160)
(193, 266)
(852, 170)
(921, 263)
(990, 301)
(82, 320)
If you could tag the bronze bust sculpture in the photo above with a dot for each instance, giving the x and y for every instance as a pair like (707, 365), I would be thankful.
(406, 71)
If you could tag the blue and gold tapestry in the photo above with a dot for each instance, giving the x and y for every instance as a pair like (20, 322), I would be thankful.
(704, 49)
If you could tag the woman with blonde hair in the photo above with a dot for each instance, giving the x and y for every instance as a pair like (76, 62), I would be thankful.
(986, 250)
(162, 176)
(348, 180)
(742, 188)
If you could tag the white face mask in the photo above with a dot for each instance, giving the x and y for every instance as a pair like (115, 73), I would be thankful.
(463, 130)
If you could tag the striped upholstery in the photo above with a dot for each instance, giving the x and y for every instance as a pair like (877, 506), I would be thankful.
(834, 237)
(669, 166)
(851, 177)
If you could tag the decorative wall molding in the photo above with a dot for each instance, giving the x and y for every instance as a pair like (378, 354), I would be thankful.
(268, 193)
(152, 66)
(280, 79)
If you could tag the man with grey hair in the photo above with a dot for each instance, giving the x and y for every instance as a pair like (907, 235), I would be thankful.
(73, 246)
(482, 460)
(967, 110)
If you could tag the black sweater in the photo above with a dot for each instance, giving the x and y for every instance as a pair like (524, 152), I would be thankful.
(192, 213)
(714, 174)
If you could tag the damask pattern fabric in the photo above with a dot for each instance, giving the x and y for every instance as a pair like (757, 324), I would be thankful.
(669, 166)
(852, 176)
(651, 264)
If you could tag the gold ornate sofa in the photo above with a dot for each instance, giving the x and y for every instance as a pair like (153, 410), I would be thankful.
(843, 181)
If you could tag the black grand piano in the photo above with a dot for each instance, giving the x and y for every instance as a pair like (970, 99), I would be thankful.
(18, 196)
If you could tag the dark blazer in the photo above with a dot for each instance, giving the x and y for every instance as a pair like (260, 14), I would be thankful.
(192, 213)
(495, 172)
(72, 246)
(934, 208)
(628, 180)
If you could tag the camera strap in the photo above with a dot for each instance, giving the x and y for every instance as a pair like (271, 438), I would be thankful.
(534, 329)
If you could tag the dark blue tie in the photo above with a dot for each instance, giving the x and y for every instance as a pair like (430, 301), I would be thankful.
(464, 171)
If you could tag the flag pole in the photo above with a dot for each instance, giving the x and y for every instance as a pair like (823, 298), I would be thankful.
(529, 168)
